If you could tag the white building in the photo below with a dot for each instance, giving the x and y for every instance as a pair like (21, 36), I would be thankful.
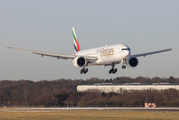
(118, 88)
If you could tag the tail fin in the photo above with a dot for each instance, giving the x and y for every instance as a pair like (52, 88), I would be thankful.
(76, 45)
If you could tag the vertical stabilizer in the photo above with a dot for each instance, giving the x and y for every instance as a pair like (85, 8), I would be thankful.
(76, 44)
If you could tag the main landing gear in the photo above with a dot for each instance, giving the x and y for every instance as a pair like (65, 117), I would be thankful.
(84, 70)
(124, 64)
(112, 70)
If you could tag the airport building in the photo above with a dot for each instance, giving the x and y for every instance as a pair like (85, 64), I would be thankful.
(119, 88)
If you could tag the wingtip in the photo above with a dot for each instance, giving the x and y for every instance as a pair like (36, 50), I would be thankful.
(171, 48)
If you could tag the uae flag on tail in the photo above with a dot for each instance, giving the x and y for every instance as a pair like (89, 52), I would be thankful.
(76, 44)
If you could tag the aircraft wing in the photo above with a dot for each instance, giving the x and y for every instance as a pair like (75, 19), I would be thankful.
(150, 53)
(56, 55)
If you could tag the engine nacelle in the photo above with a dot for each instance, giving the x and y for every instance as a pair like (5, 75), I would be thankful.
(132, 62)
(79, 62)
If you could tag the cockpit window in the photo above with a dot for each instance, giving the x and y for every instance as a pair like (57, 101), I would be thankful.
(125, 49)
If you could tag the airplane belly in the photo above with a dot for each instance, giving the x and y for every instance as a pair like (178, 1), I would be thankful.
(107, 60)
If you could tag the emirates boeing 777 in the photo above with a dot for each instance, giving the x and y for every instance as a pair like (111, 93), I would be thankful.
(106, 55)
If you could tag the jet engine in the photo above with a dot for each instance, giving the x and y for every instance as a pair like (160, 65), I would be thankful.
(79, 62)
(132, 62)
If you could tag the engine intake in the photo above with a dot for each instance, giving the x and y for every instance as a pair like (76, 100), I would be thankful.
(79, 62)
(132, 62)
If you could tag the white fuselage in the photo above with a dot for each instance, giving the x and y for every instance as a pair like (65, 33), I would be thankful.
(107, 54)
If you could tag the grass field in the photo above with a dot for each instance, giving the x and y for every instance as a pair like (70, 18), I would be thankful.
(32, 114)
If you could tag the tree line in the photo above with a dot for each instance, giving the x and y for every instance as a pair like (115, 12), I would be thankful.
(63, 92)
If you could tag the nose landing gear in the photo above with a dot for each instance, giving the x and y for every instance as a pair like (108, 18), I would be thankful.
(124, 64)
(123, 67)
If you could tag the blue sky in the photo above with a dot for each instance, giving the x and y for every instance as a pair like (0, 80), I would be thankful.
(45, 25)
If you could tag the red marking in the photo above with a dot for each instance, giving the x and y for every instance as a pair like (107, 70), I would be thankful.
(78, 47)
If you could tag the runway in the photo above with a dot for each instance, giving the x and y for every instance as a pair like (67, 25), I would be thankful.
(106, 108)
(91, 113)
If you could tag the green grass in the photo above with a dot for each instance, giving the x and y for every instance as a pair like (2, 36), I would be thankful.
(44, 114)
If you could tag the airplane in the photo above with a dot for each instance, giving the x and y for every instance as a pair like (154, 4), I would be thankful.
(108, 55)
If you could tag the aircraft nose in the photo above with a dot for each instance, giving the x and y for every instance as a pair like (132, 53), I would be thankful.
(127, 54)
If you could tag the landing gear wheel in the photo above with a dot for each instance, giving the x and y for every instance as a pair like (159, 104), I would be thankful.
(123, 67)
(84, 70)
(114, 71)
(110, 71)
(81, 71)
